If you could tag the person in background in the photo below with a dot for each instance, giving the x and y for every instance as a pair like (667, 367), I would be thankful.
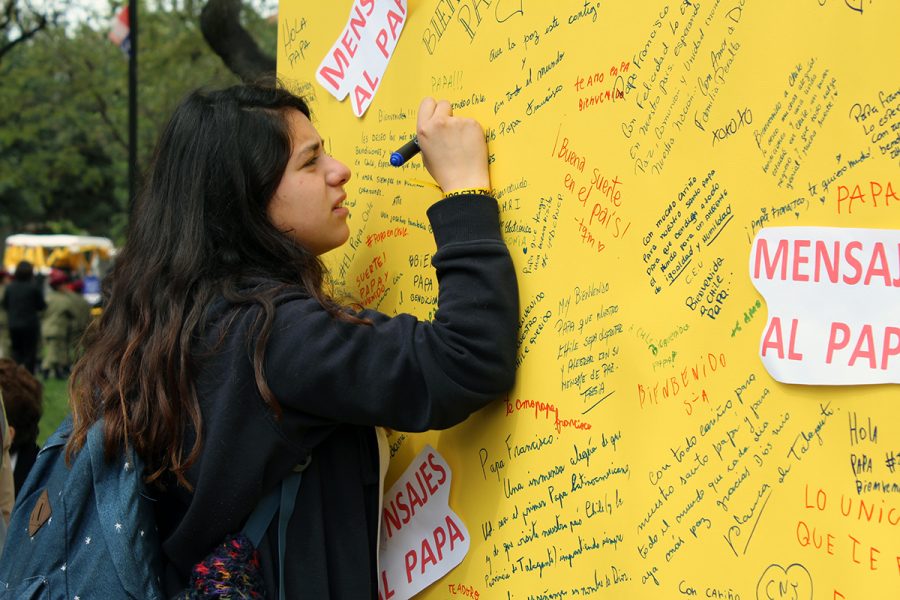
(222, 359)
(81, 311)
(23, 300)
(56, 322)
(24, 398)
(5, 348)
(7, 488)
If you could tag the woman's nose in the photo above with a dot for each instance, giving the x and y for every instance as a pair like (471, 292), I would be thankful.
(340, 173)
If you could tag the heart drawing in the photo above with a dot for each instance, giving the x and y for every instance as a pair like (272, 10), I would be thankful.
(780, 583)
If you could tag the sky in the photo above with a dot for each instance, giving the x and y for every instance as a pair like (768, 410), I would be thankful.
(78, 10)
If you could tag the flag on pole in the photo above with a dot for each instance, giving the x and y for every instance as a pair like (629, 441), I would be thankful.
(120, 32)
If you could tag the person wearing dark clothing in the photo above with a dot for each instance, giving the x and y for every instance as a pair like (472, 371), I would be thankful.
(23, 300)
(233, 365)
(5, 350)
(24, 399)
(7, 489)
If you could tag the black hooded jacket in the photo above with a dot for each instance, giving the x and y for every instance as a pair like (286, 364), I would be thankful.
(335, 381)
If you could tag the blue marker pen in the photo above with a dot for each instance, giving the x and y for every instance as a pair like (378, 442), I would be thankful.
(405, 152)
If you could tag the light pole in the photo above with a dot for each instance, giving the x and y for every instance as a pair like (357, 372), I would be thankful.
(132, 101)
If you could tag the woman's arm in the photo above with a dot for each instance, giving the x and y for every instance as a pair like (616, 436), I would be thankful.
(401, 372)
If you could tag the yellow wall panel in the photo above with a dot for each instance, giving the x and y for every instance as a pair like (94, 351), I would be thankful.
(637, 148)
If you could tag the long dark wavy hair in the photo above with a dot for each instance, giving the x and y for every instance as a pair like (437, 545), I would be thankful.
(198, 231)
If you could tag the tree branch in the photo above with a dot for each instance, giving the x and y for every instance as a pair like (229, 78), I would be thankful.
(12, 14)
(222, 29)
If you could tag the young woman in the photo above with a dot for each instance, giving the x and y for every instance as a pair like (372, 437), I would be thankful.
(223, 361)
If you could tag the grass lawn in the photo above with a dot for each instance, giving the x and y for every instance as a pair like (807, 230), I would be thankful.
(56, 407)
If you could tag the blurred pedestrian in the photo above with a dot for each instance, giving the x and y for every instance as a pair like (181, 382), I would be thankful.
(23, 300)
(5, 349)
(23, 395)
(55, 324)
(7, 489)
(81, 310)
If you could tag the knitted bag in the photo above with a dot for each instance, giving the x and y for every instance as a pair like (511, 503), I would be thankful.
(232, 571)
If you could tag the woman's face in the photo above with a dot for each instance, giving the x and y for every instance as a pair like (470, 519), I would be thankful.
(307, 205)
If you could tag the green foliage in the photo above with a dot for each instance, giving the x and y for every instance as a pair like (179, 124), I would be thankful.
(64, 113)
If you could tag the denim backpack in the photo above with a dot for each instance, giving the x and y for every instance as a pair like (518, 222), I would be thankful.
(90, 532)
(84, 532)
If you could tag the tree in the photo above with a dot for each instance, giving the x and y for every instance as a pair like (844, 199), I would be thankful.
(63, 114)
(19, 23)
(55, 159)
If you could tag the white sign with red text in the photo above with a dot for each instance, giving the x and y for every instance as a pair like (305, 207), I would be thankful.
(360, 56)
(421, 538)
(833, 297)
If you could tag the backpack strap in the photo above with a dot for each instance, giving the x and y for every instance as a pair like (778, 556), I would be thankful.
(283, 498)
(289, 488)
(262, 515)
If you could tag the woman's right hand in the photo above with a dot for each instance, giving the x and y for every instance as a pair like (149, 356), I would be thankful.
(453, 148)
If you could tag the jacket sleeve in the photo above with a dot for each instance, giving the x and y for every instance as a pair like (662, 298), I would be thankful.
(401, 372)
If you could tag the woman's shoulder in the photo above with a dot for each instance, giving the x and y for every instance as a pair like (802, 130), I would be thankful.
(254, 295)
(268, 287)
